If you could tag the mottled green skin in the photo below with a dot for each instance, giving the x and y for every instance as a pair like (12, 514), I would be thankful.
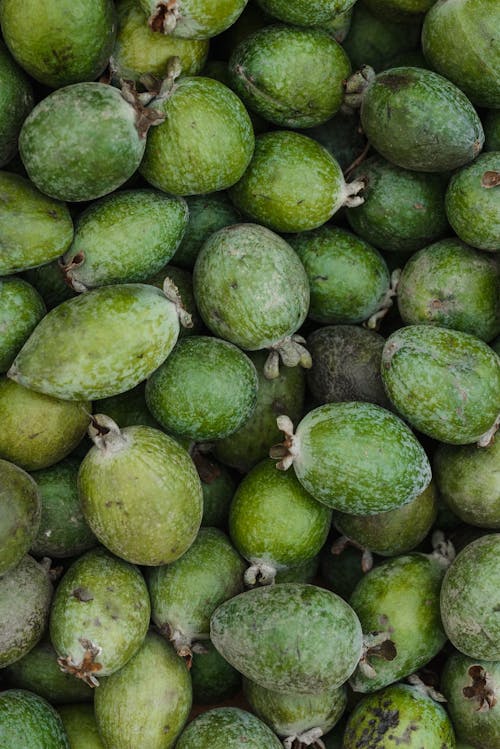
(401, 11)
(474, 210)
(119, 336)
(39, 672)
(250, 286)
(305, 12)
(37, 430)
(444, 382)
(125, 237)
(284, 394)
(205, 143)
(21, 308)
(227, 728)
(290, 76)
(143, 500)
(341, 137)
(213, 678)
(274, 521)
(205, 390)
(63, 530)
(461, 40)
(328, 446)
(418, 120)
(16, 101)
(305, 572)
(292, 184)
(272, 634)
(291, 714)
(491, 123)
(338, 26)
(25, 593)
(218, 491)
(394, 532)
(147, 702)
(402, 210)
(469, 481)
(62, 43)
(200, 19)
(20, 511)
(81, 142)
(346, 365)
(104, 600)
(348, 277)
(454, 286)
(81, 727)
(185, 594)
(470, 599)
(399, 716)
(27, 721)
(49, 282)
(34, 228)
(207, 214)
(183, 279)
(127, 409)
(341, 572)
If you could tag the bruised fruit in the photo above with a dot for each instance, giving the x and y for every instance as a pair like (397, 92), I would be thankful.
(20, 510)
(27, 721)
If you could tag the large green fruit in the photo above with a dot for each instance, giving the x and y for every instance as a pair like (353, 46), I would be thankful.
(27, 721)
(16, 101)
(289, 637)
(192, 19)
(227, 728)
(21, 308)
(140, 493)
(81, 727)
(20, 511)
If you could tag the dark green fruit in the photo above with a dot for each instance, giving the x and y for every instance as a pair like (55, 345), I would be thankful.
(218, 487)
(470, 599)
(213, 678)
(27, 721)
(21, 308)
(341, 137)
(343, 566)
(491, 122)
(402, 11)
(338, 25)
(304, 572)
(128, 409)
(305, 12)
(81, 727)
(49, 282)
(192, 19)
(20, 510)
(207, 214)
(227, 728)
(16, 101)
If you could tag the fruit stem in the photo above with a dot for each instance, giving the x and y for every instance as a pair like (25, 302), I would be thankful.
(443, 550)
(261, 573)
(165, 16)
(292, 352)
(487, 439)
(379, 645)
(373, 322)
(145, 116)
(285, 451)
(172, 293)
(351, 190)
(427, 689)
(356, 86)
(482, 689)
(105, 433)
(87, 668)
(343, 542)
(67, 272)
(308, 738)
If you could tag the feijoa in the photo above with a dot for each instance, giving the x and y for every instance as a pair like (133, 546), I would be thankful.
(16, 101)
(21, 308)
(227, 728)
(192, 19)
(27, 721)
(20, 511)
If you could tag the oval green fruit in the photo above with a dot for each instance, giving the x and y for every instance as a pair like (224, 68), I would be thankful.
(213, 678)
(21, 308)
(16, 101)
(218, 487)
(81, 727)
(20, 511)
(192, 19)
(27, 721)
(227, 728)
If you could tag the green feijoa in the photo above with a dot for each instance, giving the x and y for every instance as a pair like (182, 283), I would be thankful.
(227, 728)
(25, 593)
(62, 43)
(402, 210)
(271, 635)
(49, 282)
(304, 572)
(85, 140)
(338, 26)
(416, 119)
(305, 12)
(120, 335)
(63, 529)
(444, 382)
(185, 594)
(472, 690)
(205, 390)
(283, 394)
(461, 40)
(147, 702)
(205, 143)
(343, 565)
(469, 482)
(39, 672)
(192, 19)
(290, 76)
(341, 137)
(20, 511)
(250, 287)
(81, 727)
(207, 214)
(275, 523)
(401, 11)
(473, 202)
(400, 596)
(128, 409)
(38, 430)
(125, 237)
(183, 280)
(21, 308)
(140, 493)
(348, 278)
(27, 721)
(491, 123)
(454, 286)
(99, 617)
(16, 101)
(139, 51)
(292, 183)
(470, 599)
(346, 365)
(326, 452)
(399, 715)
(218, 487)
(394, 532)
(213, 678)
(34, 228)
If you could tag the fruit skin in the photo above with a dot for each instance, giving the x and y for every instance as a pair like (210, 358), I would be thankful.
(27, 721)
(192, 19)
(16, 101)
(207, 214)
(473, 202)
(21, 308)
(343, 570)
(213, 678)
(218, 487)
(462, 42)
(120, 335)
(227, 728)
(186, 159)
(458, 400)
(491, 122)
(399, 713)
(147, 702)
(49, 282)
(442, 130)
(271, 636)
(20, 514)
(128, 409)
(80, 725)
(35, 229)
(25, 593)
(303, 12)
(151, 526)
(340, 136)
(469, 599)
(401, 11)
